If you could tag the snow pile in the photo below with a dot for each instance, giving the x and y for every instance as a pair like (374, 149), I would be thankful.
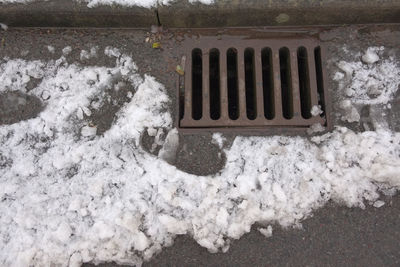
(68, 197)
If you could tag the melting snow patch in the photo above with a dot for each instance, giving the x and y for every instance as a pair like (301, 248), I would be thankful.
(68, 200)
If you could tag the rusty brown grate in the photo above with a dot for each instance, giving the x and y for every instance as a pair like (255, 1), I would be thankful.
(244, 84)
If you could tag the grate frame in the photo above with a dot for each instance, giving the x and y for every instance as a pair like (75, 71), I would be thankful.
(260, 124)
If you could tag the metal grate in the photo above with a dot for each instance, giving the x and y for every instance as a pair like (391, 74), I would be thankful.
(252, 83)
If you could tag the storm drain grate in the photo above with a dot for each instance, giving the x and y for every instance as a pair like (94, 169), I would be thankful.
(255, 83)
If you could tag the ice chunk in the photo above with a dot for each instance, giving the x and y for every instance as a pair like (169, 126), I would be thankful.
(103, 230)
(112, 51)
(370, 56)
(67, 50)
(85, 55)
(316, 110)
(63, 232)
(88, 131)
(51, 49)
(350, 113)
(346, 68)
(141, 242)
(379, 203)
(3, 26)
(218, 139)
(168, 151)
(267, 232)
(315, 128)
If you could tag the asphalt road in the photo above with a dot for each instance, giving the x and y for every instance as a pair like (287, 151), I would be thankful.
(335, 236)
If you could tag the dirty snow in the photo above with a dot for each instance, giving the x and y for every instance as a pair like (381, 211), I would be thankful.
(70, 197)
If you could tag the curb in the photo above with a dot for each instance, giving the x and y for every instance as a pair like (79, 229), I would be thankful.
(182, 14)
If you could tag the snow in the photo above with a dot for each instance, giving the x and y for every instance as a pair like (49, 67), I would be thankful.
(69, 197)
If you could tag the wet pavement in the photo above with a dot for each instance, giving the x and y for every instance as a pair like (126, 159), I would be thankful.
(334, 236)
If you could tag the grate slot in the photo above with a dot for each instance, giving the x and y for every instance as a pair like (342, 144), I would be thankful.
(268, 83)
(319, 78)
(258, 81)
(233, 96)
(215, 107)
(206, 86)
(251, 106)
(304, 82)
(286, 83)
(313, 78)
(197, 84)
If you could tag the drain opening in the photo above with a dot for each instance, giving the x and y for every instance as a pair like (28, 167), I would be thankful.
(320, 80)
(254, 85)
(197, 85)
(304, 82)
(268, 83)
(215, 93)
(233, 94)
(251, 108)
(286, 83)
